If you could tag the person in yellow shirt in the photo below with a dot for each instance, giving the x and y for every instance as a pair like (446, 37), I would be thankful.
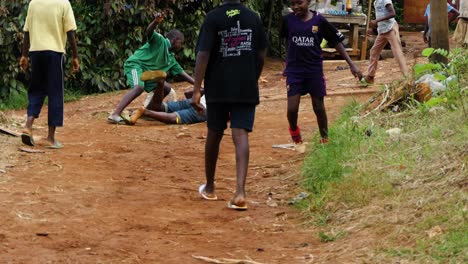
(48, 25)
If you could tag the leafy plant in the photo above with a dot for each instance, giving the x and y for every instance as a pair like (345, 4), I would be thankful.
(108, 33)
(452, 75)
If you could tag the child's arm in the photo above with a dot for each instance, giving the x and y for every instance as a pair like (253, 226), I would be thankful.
(72, 40)
(150, 29)
(24, 60)
(391, 14)
(187, 77)
(354, 69)
(200, 69)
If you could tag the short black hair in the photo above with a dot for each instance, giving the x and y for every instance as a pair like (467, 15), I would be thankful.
(175, 34)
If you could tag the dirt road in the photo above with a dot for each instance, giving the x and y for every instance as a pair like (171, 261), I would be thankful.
(122, 194)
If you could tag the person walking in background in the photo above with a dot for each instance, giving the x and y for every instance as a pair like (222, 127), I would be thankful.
(427, 14)
(48, 25)
(388, 32)
(461, 32)
(231, 51)
(304, 30)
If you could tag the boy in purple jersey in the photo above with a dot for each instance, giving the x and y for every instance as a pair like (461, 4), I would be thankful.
(304, 30)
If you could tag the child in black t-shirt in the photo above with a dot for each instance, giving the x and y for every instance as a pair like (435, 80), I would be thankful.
(231, 50)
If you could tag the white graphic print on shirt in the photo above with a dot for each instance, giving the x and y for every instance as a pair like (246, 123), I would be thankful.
(235, 41)
(303, 41)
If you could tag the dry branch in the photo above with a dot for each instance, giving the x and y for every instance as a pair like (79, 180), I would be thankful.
(225, 261)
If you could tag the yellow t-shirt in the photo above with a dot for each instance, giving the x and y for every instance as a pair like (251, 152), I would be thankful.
(48, 22)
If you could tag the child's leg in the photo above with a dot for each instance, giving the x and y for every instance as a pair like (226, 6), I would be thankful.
(293, 109)
(37, 91)
(242, 122)
(379, 44)
(156, 101)
(127, 99)
(167, 89)
(167, 118)
(241, 142)
(319, 108)
(395, 43)
(213, 139)
(133, 78)
(55, 93)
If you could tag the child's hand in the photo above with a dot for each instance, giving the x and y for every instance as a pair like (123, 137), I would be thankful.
(373, 24)
(24, 63)
(158, 17)
(355, 71)
(196, 102)
(75, 65)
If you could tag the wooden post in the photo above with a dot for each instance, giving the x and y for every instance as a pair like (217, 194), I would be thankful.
(439, 28)
(364, 43)
(270, 18)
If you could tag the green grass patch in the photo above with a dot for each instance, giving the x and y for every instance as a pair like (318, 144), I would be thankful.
(19, 99)
(408, 190)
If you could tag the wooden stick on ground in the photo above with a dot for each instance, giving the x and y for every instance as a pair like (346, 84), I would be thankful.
(9, 132)
(225, 261)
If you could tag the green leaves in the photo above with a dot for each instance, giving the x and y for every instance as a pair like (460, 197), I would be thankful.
(109, 31)
(427, 52)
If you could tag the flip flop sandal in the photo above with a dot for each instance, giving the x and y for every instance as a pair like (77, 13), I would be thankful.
(56, 145)
(27, 138)
(117, 121)
(204, 195)
(232, 205)
(153, 76)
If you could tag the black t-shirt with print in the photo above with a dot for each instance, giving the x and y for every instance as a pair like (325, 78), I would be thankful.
(234, 35)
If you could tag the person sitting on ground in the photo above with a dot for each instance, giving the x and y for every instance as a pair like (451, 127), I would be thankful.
(155, 56)
(427, 14)
(177, 112)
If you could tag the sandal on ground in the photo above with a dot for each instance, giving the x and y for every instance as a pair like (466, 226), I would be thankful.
(56, 145)
(27, 138)
(240, 206)
(205, 195)
(116, 120)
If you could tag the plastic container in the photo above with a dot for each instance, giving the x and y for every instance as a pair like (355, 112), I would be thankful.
(339, 6)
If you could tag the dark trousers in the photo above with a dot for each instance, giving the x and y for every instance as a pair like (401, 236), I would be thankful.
(46, 81)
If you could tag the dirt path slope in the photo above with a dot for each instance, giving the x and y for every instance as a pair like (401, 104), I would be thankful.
(121, 194)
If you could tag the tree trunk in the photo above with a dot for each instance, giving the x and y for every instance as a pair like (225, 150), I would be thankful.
(439, 28)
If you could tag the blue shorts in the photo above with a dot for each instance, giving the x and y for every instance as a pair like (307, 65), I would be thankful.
(185, 112)
(240, 115)
(314, 85)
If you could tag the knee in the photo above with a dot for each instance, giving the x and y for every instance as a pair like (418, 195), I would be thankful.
(293, 108)
(318, 106)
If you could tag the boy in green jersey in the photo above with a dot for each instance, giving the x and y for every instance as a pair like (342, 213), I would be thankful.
(155, 54)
